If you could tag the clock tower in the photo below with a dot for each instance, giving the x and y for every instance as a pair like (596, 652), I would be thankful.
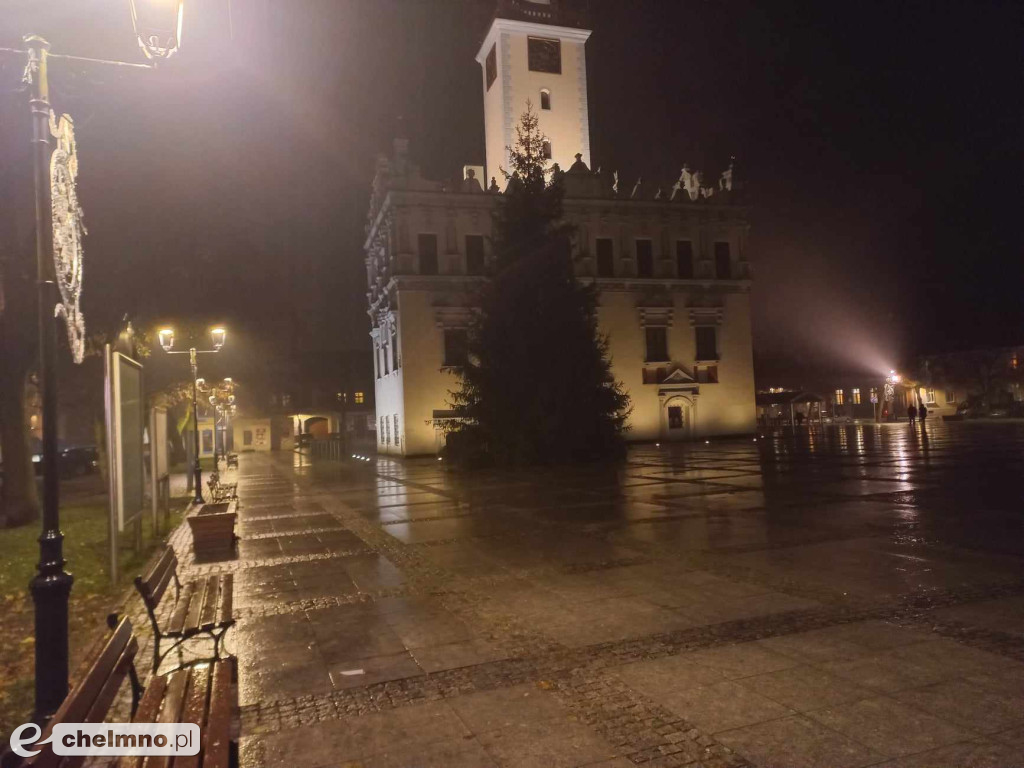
(534, 51)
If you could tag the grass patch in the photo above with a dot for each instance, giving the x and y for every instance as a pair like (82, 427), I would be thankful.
(92, 595)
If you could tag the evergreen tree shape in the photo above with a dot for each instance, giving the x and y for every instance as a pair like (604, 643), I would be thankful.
(537, 387)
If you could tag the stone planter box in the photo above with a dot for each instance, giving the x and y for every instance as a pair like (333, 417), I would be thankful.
(213, 530)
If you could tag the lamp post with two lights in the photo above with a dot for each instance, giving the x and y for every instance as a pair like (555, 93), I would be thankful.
(218, 335)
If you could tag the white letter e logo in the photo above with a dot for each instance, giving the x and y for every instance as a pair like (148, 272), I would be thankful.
(18, 743)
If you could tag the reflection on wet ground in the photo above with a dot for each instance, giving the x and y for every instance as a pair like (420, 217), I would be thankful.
(852, 597)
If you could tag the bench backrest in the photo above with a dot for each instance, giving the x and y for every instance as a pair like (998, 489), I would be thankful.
(153, 584)
(90, 700)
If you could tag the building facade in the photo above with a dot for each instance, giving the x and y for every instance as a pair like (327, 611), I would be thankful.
(671, 263)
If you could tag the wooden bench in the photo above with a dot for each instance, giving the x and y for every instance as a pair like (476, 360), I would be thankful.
(204, 694)
(91, 699)
(201, 607)
(221, 491)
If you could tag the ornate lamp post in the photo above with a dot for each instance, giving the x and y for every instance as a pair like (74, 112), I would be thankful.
(889, 395)
(218, 336)
(222, 399)
(58, 234)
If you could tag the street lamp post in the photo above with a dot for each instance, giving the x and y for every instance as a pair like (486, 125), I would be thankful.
(51, 586)
(221, 398)
(58, 289)
(888, 396)
(218, 335)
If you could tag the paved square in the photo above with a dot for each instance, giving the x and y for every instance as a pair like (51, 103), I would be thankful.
(845, 598)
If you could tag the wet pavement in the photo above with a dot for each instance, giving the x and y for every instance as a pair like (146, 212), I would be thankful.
(846, 598)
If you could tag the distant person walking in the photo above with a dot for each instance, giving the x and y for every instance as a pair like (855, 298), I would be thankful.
(922, 413)
(912, 413)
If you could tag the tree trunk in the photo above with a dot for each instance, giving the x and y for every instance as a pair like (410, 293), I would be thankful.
(19, 497)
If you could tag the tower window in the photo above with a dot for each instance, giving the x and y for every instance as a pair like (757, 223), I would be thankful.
(428, 254)
(474, 254)
(605, 257)
(455, 347)
(491, 66)
(707, 342)
(545, 149)
(394, 349)
(723, 261)
(545, 99)
(544, 55)
(644, 258)
(684, 259)
(360, 398)
(657, 344)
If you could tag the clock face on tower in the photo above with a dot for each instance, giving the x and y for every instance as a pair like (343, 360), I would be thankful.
(544, 55)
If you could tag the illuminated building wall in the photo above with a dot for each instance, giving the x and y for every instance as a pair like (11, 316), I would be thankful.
(671, 264)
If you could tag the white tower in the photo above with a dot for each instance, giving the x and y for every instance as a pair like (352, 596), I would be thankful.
(533, 52)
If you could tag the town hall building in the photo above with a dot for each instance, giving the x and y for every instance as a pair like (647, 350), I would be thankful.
(671, 263)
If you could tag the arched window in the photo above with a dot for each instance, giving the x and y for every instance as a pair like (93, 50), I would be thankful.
(546, 150)
(545, 98)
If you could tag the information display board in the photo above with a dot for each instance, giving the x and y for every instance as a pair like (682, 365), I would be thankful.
(125, 424)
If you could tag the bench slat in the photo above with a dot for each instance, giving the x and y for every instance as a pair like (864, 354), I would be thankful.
(79, 702)
(217, 734)
(195, 709)
(107, 694)
(146, 713)
(177, 622)
(227, 592)
(167, 562)
(162, 585)
(196, 606)
(210, 602)
(170, 711)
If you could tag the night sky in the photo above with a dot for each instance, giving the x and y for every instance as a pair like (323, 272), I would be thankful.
(881, 145)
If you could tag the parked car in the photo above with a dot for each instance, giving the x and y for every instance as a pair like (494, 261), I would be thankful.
(79, 460)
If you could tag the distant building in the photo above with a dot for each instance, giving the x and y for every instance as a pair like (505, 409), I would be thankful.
(979, 382)
(671, 261)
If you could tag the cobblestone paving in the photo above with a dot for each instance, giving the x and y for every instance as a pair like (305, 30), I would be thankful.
(818, 600)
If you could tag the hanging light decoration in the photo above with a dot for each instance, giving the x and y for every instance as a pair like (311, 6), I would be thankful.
(158, 26)
(68, 231)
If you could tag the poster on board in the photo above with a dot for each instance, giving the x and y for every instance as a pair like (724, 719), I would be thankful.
(125, 423)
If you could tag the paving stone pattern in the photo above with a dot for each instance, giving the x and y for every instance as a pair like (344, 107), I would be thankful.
(845, 598)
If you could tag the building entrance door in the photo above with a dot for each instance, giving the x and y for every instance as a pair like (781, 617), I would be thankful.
(675, 417)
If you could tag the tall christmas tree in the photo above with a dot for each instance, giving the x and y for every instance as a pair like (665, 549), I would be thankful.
(537, 387)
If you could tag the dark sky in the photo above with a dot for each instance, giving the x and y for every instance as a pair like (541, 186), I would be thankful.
(881, 144)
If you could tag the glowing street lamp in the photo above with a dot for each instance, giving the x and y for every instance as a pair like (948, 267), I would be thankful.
(218, 335)
(166, 338)
(157, 25)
